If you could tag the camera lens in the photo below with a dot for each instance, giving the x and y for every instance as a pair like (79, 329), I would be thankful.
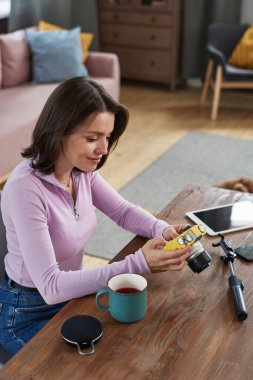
(199, 259)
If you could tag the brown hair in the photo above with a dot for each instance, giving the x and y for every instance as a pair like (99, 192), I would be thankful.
(69, 105)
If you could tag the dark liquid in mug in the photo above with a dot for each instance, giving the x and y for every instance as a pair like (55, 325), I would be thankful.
(127, 290)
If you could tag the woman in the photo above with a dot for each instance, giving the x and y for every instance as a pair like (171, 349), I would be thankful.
(48, 210)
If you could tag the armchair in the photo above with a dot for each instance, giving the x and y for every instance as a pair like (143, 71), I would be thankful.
(221, 40)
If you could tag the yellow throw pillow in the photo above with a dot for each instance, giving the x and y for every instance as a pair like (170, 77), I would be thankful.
(242, 55)
(86, 38)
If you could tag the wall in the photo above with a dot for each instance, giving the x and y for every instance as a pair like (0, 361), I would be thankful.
(197, 15)
(247, 12)
(84, 13)
(66, 13)
(28, 12)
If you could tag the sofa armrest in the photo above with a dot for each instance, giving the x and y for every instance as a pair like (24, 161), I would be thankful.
(105, 69)
(100, 64)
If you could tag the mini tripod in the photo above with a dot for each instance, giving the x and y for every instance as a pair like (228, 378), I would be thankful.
(236, 285)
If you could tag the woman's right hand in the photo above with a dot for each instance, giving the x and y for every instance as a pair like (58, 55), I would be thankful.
(161, 261)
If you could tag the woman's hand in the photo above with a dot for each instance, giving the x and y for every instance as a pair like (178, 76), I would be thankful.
(162, 261)
(173, 231)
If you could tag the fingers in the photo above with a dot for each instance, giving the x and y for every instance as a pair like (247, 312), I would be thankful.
(171, 258)
(175, 262)
(178, 253)
(160, 260)
(180, 227)
(173, 231)
(156, 243)
(169, 233)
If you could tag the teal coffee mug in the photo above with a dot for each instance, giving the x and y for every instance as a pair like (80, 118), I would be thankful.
(127, 297)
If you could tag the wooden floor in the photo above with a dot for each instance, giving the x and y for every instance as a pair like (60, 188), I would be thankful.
(159, 118)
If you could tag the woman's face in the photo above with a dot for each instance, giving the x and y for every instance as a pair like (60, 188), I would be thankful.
(87, 144)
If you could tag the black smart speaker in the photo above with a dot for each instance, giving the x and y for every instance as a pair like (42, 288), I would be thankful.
(82, 331)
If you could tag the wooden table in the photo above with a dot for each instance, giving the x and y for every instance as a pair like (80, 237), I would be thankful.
(190, 330)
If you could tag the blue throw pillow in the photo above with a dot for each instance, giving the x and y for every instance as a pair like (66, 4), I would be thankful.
(56, 55)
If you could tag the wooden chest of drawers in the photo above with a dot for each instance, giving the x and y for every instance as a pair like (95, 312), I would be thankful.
(3, 25)
(145, 37)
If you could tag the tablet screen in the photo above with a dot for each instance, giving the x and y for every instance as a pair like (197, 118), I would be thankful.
(227, 218)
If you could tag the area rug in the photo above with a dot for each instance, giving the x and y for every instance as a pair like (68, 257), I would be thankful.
(198, 158)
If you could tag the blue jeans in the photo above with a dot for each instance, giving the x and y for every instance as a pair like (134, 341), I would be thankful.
(22, 314)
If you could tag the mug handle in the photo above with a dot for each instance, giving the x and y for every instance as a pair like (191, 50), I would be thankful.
(99, 293)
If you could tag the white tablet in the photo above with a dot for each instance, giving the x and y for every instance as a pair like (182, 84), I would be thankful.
(224, 219)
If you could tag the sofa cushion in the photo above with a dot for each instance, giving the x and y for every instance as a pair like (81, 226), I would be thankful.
(15, 58)
(242, 55)
(86, 38)
(56, 56)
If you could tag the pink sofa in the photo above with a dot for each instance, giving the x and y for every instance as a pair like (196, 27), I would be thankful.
(21, 101)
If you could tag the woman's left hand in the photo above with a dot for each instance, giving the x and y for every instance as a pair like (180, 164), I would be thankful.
(173, 231)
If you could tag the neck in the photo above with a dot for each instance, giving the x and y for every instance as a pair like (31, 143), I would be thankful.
(65, 180)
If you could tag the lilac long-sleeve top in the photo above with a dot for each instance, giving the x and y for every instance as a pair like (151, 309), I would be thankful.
(46, 239)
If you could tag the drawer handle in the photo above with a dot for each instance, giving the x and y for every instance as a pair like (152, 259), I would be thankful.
(116, 35)
(153, 19)
(115, 17)
(153, 37)
(152, 63)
